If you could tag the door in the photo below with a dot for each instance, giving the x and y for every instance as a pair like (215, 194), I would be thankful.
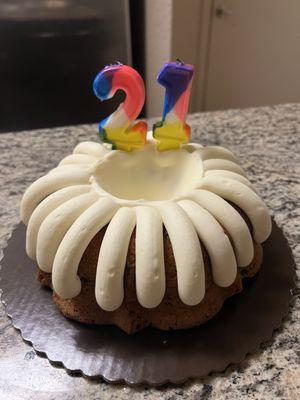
(253, 54)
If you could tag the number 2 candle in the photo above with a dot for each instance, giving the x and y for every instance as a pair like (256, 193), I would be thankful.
(118, 129)
(172, 130)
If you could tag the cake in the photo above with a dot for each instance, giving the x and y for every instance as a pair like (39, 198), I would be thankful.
(144, 230)
(145, 238)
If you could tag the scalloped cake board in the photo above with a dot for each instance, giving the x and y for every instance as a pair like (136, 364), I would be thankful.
(151, 356)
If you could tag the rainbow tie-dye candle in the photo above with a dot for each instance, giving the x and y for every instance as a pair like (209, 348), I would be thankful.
(118, 129)
(172, 130)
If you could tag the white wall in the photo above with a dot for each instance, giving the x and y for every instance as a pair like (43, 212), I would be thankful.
(254, 54)
(174, 29)
(158, 32)
(248, 56)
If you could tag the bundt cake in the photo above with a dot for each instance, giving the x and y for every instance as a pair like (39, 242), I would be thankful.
(144, 238)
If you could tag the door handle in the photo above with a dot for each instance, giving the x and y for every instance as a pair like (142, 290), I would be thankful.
(221, 11)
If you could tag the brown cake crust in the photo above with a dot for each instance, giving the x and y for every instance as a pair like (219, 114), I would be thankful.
(131, 316)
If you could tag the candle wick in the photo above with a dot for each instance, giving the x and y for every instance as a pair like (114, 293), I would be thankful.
(114, 63)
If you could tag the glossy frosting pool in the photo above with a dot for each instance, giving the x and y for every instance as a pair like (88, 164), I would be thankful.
(148, 175)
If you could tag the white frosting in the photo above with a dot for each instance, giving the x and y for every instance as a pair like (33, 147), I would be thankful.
(229, 174)
(49, 204)
(231, 220)
(70, 251)
(112, 259)
(216, 152)
(225, 165)
(187, 191)
(49, 184)
(78, 159)
(92, 149)
(187, 253)
(149, 257)
(147, 175)
(219, 249)
(244, 198)
(55, 226)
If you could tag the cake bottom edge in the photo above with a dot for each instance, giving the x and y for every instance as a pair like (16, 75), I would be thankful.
(170, 314)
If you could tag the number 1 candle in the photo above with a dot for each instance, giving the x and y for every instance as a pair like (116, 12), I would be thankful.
(172, 130)
(118, 129)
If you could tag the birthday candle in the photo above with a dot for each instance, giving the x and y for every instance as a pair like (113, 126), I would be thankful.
(118, 129)
(172, 130)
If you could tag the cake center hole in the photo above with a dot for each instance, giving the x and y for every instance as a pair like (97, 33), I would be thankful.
(148, 174)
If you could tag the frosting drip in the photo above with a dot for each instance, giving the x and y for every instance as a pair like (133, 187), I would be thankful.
(188, 191)
(149, 257)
